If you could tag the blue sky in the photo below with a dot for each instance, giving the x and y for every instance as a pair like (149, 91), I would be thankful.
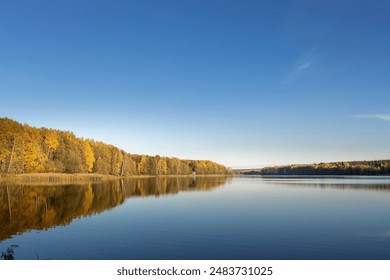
(243, 83)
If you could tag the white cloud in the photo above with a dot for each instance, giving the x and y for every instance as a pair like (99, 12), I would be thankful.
(374, 116)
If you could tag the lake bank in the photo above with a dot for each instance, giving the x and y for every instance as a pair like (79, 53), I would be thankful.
(78, 177)
(342, 168)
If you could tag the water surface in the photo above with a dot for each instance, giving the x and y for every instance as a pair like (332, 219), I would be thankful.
(204, 218)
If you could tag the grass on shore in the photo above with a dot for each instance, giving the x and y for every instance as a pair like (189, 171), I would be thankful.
(73, 178)
(54, 178)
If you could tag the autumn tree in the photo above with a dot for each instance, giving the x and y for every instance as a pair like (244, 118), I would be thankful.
(25, 149)
(162, 167)
(89, 156)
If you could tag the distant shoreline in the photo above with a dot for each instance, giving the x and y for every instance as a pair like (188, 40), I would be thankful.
(341, 168)
(81, 177)
(311, 176)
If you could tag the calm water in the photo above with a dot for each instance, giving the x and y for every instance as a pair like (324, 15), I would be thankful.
(203, 218)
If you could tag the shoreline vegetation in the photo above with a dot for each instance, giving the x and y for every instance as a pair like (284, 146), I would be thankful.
(363, 168)
(63, 178)
(29, 150)
(29, 154)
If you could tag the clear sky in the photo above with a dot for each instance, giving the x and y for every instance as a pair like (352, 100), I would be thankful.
(244, 83)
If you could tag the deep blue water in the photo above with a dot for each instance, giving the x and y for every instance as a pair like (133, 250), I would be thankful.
(206, 218)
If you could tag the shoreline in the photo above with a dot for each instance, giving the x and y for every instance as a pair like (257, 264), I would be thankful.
(82, 177)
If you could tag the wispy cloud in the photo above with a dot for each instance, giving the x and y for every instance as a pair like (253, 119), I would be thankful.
(382, 117)
(303, 63)
(298, 70)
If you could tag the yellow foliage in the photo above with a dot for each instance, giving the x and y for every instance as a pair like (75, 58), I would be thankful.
(89, 156)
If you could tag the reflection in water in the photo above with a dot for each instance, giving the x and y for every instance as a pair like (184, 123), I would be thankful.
(340, 185)
(24, 207)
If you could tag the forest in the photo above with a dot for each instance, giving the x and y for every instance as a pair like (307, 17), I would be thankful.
(26, 149)
(375, 167)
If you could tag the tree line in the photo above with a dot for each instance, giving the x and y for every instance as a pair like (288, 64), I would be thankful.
(375, 167)
(26, 149)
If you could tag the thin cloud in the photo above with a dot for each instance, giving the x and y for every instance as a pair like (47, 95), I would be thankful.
(303, 64)
(298, 70)
(383, 117)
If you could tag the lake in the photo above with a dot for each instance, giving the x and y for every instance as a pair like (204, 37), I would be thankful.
(249, 217)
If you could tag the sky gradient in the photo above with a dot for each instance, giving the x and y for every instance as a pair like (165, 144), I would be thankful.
(243, 83)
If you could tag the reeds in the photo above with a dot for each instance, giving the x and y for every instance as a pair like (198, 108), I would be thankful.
(54, 178)
(9, 254)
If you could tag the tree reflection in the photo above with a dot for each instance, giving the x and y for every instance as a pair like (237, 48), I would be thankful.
(26, 207)
(301, 183)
